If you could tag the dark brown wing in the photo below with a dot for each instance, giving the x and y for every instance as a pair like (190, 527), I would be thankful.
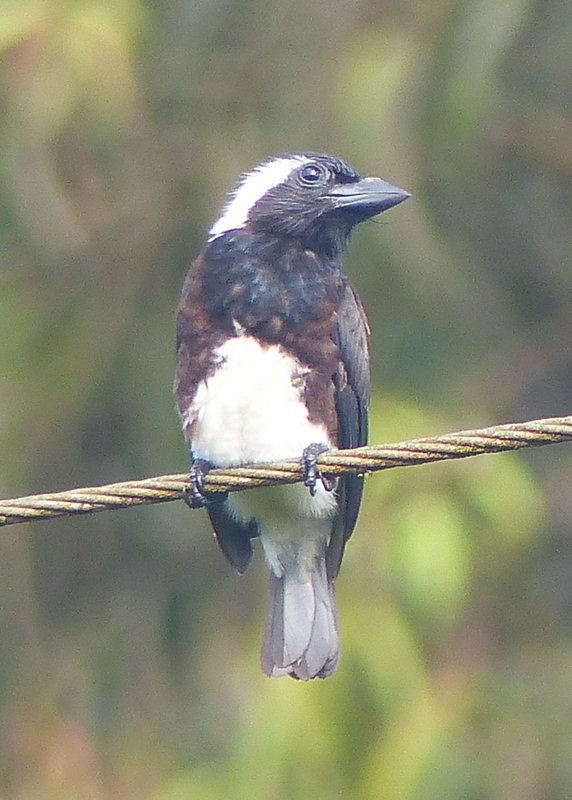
(352, 398)
(197, 337)
(233, 535)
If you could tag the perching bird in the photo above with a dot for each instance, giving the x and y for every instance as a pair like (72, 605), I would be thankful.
(273, 364)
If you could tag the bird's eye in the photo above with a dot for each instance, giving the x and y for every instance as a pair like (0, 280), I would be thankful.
(313, 175)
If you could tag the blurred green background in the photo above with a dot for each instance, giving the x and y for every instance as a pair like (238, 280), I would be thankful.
(128, 650)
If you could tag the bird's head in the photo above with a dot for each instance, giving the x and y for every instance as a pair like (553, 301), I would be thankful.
(312, 197)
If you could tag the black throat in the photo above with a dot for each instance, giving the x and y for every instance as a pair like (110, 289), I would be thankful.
(269, 285)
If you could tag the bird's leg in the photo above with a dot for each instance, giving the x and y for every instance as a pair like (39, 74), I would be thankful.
(195, 494)
(311, 473)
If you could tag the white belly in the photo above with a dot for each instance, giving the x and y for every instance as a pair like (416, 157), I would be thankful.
(295, 527)
(250, 410)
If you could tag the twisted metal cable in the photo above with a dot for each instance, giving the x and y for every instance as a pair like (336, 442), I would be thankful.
(462, 444)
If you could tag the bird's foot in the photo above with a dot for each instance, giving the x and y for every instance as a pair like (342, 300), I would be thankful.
(310, 470)
(195, 495)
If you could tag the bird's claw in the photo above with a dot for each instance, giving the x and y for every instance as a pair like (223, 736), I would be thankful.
(194, 494)
(310, 470)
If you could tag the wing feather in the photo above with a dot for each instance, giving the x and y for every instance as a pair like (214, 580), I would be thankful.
(352, 385)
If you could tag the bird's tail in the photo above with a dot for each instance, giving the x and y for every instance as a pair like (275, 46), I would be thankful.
(301, 636)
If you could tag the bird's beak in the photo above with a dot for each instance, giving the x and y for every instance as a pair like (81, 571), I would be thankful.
(367, 192)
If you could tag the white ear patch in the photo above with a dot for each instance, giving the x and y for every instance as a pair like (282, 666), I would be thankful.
(251, 188)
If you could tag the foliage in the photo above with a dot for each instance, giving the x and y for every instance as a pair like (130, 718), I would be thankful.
(128, 652)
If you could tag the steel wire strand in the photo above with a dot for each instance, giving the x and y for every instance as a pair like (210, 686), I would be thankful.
(495, 439)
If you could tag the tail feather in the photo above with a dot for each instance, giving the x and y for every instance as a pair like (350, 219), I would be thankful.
(301, 636)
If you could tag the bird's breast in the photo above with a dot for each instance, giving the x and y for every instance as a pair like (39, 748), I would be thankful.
(262, 282)
(251, 408)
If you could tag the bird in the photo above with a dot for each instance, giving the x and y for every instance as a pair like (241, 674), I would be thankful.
(273, 364)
